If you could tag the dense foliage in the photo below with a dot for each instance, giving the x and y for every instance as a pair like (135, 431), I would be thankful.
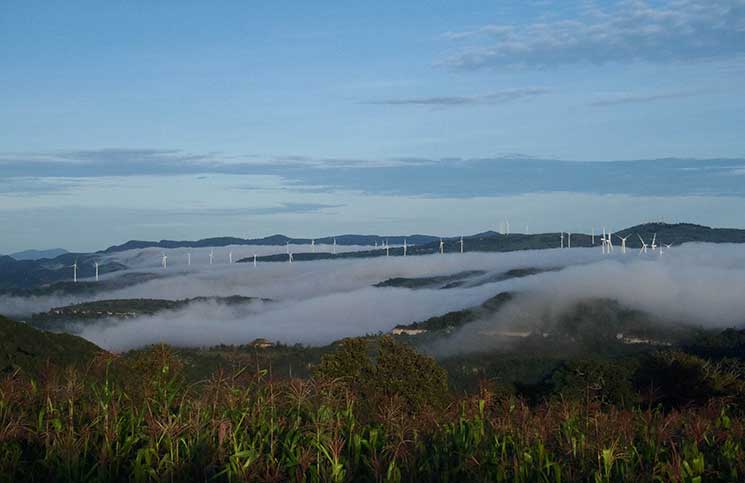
(372, 412)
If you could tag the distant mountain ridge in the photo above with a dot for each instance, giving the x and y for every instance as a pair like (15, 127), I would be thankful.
(38, 254)
(344, 240)
(37, 275)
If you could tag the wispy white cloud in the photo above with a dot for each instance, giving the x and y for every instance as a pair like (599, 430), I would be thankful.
(675, 30)
(639, 98)
(501, 97)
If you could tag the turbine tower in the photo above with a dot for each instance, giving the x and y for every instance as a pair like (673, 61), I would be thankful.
(289, 258)
(75, 272)
(562, 239)
(610, 242)
(212, 256)
(164, 261)
(461, 244)
(623, 243)
(230, 257)
(96, 263)
(593, 235)
(188, 259)
(442, 247)
(654, 242)
(644, 245)
(334, 248)
(254, 259)
(569, 240)
(405, 247)
(313, 246)
(387, 249)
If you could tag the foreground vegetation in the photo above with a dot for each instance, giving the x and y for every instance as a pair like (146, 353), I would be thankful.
(370, 412)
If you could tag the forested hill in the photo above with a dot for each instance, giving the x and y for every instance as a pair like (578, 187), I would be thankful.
(272, 240)
(29, 349)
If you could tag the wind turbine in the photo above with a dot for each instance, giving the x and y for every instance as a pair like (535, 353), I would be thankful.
(313, 246)
(212, 256)
(230, 257)
(461, 244)
(387, 249)
(442, 247)
(644, 245)
(75, 272)
(569, 240)
(334, 248)
(605, 242)
(610, 242)
(254, 259)
(96, 263)
(405, 247)
(188, 259)
(507, 224)
(562, 239)
(289, 257)
(623, 243)
(654, 242)
(593, 235)
(164, 261)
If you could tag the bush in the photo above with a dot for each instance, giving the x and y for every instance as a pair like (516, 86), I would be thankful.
(396, 370)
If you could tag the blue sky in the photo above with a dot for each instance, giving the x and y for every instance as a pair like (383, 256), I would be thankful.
(315, 114)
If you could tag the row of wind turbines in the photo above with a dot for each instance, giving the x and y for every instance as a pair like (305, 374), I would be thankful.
(606, 243)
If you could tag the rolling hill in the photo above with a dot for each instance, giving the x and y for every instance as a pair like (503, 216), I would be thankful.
(29, 349)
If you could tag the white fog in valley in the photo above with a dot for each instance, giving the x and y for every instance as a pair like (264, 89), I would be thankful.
(322, 301)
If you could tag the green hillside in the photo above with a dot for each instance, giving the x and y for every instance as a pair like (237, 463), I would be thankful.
(27, 348)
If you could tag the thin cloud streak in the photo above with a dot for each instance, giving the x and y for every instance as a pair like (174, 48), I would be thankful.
(676, 30)
(494, 98)
(631, 98)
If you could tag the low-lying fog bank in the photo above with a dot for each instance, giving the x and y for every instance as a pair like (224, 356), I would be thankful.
(321, 301)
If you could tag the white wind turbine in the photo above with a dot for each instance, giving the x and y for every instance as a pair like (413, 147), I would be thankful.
(623, 243)
(188, 259)
(507, 224)
(289, 257)
(442, 247)
(254, 259)
(230, 257)
(313, 246)
(75, 271)
(334, 248)
(593, 235)
(387, 249)
(164, 261)
(604, 242)
(461, 244)
(212, 256)
(569, 240)
(96, 263)
(644, 247)
(405, 247)
(653, 246)
(562, 239)
(610, 242)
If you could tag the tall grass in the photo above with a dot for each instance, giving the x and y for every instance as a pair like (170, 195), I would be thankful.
(244, 426)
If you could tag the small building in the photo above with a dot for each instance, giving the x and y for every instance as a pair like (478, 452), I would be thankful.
(405, 331)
